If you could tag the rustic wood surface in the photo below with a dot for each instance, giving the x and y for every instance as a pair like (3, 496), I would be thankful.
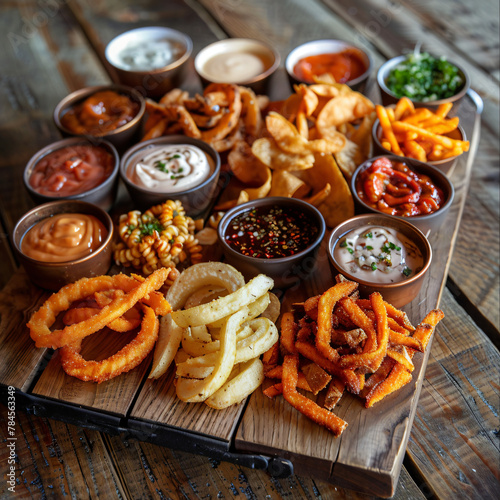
(55, 47)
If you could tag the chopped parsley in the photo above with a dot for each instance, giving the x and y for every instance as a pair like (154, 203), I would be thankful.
(373, 266)
(407, 271)
(422, 77)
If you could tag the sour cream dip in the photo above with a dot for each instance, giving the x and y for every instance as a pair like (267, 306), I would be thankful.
(233, 67)
(170, 168)
(149, 55)
(378, 255)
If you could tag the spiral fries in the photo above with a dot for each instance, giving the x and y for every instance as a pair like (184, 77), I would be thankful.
(162, 236)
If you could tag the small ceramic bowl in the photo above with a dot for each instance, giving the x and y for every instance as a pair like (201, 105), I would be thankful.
(102, 195)
(214, 62)
(54, 275)
(153, 60)
(285, 271)
(121, 137)
(389, 97)
(398, 293)
(194, 200)
(445, 165)
(318, 47)
(426, 223)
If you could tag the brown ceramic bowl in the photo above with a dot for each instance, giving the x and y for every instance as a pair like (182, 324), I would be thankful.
(54, 275)
(426, 223)
(388, 97)
(194, 200)
(399, 293)
(285, 271)
(317, 47)
(231, 48)
(151, 76)
(102, 195)
(444, 165)
(122, 137)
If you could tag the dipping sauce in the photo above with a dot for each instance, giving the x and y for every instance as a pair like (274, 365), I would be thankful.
(100, 113)
(72, 170)
(233, 67)
(343, 66)
(271, 232)
(393, 188)
(170, 168)
(63, 238)
(378, 255)
(150, 55)
(422, 77)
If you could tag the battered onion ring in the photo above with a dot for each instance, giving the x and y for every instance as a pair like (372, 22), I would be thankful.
(124, 360)
(44, 318)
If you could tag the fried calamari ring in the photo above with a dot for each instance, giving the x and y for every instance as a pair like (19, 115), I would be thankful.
(44, 318)
(124, 360)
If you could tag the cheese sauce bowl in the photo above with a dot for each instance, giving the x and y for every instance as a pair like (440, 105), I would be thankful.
(403, 289)
(111, 112)
(69, 170)
(275, 236)
(309, 53)
(153, 60)
(52, 275)
(154, 171)
(241, 61)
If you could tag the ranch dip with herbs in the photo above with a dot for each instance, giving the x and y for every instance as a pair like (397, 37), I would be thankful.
(170, 168)
(378, 255)
(150, 55)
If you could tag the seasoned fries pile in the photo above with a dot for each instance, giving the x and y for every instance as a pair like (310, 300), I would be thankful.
(420, 133)
(300, 149)
(336, 342)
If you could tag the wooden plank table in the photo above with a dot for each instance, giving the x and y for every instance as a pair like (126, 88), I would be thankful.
(55, 47)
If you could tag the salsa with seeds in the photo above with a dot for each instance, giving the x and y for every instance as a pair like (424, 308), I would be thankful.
(271, 232)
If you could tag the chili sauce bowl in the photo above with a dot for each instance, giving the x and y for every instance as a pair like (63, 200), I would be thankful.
(194, 200)
(318, 47)
(103, 195)
(135, 56)
(426, 223)
(241, 61)
(388, 97)
(122, 136)
(445, 164)
(398, 293)
(286, 270)
(54, 275)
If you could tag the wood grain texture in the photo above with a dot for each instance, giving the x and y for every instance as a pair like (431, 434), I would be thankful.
(460, 394)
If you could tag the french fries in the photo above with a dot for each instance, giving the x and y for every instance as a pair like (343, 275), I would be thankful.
(420, 133)
(373, 345)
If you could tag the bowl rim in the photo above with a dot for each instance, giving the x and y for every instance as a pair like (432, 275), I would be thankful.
(70, 141)
(375, 138)
(104, 217)
(235, 41)
(271, 200)
(412, 163)
(393, 222)
(290, 62)
(188, 44)
(394, 61)
(170, 139)
(79, 95)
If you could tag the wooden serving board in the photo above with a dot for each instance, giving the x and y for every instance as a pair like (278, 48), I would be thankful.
(367, 457)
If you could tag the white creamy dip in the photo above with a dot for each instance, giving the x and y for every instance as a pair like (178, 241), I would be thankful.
(378, 255)
(150, 55)
(170, 168)
(233, 67)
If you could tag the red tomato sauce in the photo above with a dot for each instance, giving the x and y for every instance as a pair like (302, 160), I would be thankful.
(343, 66)
(72, 170)
(100, 113)
(393, 188)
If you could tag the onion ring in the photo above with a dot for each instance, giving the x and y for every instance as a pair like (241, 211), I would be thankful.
(124, 360)
(41, 321)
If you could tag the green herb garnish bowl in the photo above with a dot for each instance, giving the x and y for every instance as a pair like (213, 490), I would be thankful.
(425, 79)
